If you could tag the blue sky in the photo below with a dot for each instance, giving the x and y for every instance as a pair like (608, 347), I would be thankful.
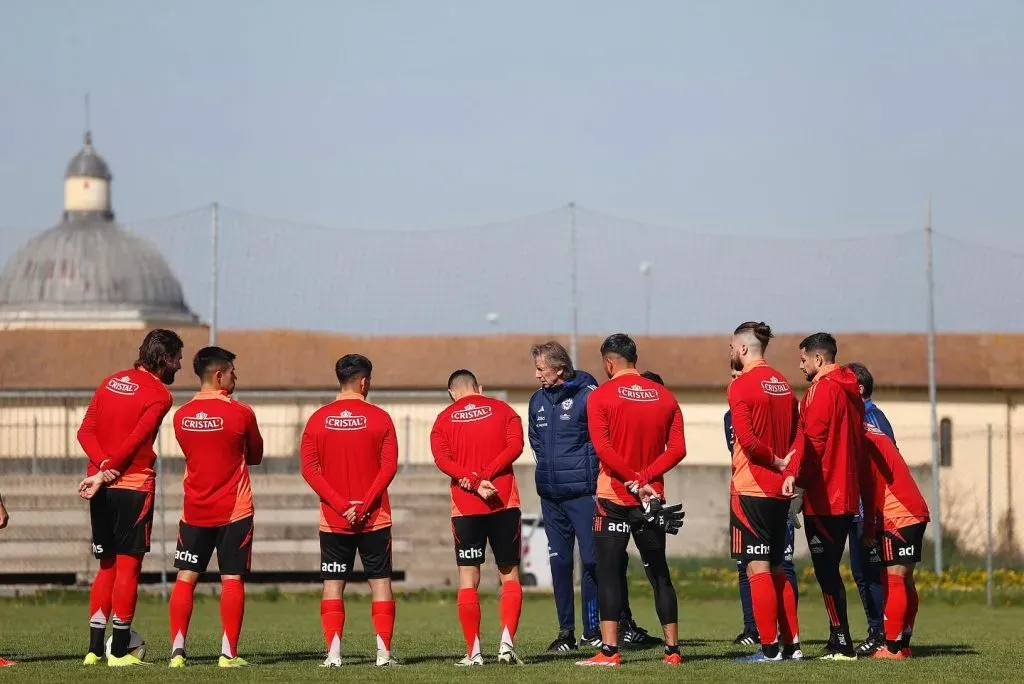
(794, 119)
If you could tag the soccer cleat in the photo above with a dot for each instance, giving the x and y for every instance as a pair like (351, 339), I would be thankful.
(672, 659)
(592, 640)
(471, 661)
(601, 660)
(92, 659)
(759, 657)
(178, 661)
(874, 642)
(507, 656)
(127, 660)
(237, 661)
(332, 661)
(633, 636)
(384, 659)
(4, 662)
(792, 652)
(886, 654)
(746, 639)
(565, 641)
(833, 653)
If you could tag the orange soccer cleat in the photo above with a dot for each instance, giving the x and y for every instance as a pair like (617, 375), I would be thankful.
(885, 654)
(601, 660)
(673, 659)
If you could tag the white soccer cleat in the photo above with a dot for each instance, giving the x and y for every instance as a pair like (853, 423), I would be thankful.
(507, 656)
(384, 659)
(332, 661)
(471, 661)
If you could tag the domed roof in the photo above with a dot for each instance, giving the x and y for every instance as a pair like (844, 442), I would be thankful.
(88, 163)
(89, 268)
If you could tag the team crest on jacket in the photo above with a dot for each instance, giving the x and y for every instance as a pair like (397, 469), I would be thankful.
(345, 421)
(470, 413)
(202, 422)
(567, 404)
(638, 393)
(122, 385)
(774, 386)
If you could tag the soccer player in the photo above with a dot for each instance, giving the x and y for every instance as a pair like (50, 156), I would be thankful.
(896, 515)
(637, 430)
(4, 519)
(220, 440)
(349, 457)
(117, 435)
(828, 449)
(764, 418)
(864, 560)
(475, 441)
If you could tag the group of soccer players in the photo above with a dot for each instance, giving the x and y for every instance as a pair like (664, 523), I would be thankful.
(820, 450)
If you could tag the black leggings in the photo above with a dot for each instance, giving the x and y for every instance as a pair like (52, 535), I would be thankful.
(611, 537)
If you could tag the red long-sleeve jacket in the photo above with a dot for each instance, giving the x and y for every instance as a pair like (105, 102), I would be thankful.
(764, 419)
(829, 443)
(893, 499)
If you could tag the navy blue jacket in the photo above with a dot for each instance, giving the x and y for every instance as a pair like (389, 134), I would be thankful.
(557, 426)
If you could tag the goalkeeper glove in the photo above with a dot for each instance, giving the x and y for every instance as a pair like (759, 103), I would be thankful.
(666, 518)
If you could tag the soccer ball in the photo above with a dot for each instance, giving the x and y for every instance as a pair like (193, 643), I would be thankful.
(136, 645)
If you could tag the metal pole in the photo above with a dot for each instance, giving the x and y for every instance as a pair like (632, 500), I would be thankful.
(161, 511)
(573, 304)
(932, 393)
(214, 230)
(988, 555)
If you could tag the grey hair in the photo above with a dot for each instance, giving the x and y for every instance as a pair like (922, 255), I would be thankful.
(556, 355)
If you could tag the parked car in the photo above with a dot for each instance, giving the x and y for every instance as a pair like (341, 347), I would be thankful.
(534, 569)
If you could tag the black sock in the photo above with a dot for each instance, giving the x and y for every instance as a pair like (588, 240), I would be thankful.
(122, 636)
(96, 635)
(669, 650)
(893, 646)
(906, 639)
(609, 650)
(770, 650)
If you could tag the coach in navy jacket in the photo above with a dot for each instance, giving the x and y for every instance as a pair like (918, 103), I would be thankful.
(566, 483)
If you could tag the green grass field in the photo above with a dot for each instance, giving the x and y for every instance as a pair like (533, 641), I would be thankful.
(282, 639)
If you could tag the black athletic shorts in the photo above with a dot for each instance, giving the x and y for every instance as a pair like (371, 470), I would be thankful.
(232, 541)
(826, 536)
(502, 529)
(618, 522)
(904, 545)
(122, 520)
(757, 527)
(338, 554)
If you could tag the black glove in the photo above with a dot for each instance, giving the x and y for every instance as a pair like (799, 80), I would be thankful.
(666, 518)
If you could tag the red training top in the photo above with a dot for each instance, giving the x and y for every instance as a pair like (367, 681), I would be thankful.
(764, 419)
(829, 443)
(220, 440)
(349, 457)
(478, 438)
(121, 424)
(637, 430)
(893, 499)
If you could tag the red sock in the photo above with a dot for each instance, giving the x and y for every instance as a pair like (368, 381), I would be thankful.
(911, 604)
(766, 607)
(469, 616)
(789, 623)
(383, 613)
(510, 608)
(332, 617)
(100, 595)
(126, 589)
(895, 607)
(181, 613)
(232, 610)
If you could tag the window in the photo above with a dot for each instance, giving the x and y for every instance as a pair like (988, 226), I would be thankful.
(946, 442)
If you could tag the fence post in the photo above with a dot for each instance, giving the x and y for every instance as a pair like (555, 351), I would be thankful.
(161, 512)
(988, 516)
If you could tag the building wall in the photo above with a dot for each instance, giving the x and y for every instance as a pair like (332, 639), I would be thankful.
(37, 434)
